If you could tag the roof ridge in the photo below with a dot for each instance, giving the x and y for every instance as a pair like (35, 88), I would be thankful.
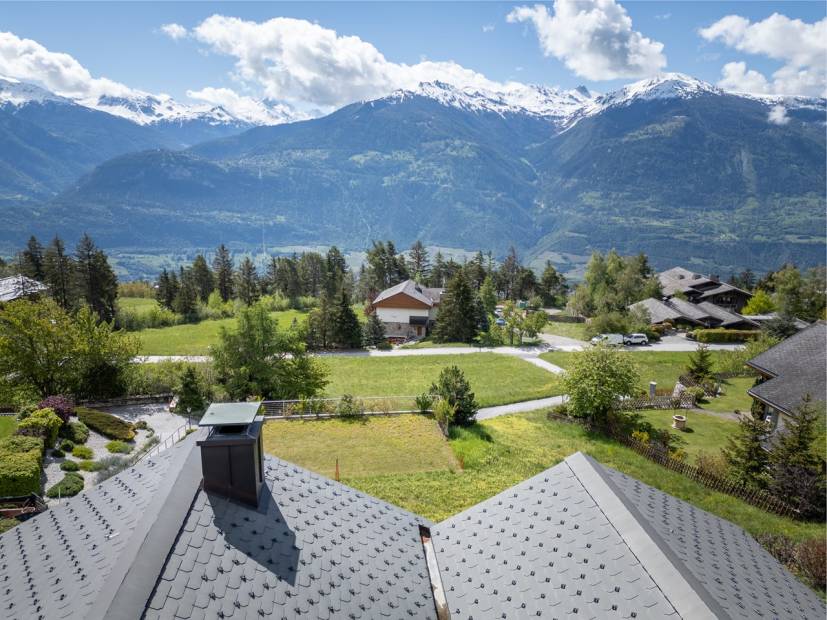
(681, 588)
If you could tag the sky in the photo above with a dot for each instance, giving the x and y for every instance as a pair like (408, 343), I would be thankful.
(322, 55)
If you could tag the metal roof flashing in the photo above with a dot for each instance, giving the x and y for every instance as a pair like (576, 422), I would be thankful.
(230, 414)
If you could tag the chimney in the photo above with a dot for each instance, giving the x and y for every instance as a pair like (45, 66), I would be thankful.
(232, 452)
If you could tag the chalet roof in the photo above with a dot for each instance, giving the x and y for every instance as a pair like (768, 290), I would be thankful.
(726, 317)
(797, 365)
(15, 287)
(722, 287)
(578, 538)
(659, 311)
(680, 279)
(702, 313)
(428, 296)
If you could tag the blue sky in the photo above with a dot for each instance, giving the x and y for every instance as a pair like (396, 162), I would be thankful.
(124, 43)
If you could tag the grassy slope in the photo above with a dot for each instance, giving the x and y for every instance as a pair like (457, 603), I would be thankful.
(370, 446)
(665, 367)
(705, 432)
(501, 452)
(196, 338)
(495, 379)
(569, 330)
(7, 425)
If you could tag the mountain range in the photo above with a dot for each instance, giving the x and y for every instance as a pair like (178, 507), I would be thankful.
(671, 166)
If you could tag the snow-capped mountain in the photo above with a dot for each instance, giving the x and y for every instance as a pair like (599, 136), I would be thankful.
(16, 93)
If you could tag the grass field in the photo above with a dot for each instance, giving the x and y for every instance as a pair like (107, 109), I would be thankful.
(367, 447)
(196, 338)
(568, 330)
(495, 379)
(665, 367)
(497, 454)
(137, 304)
(8, 424)
(705, 432)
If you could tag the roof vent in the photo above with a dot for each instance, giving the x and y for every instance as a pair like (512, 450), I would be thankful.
(232, 453)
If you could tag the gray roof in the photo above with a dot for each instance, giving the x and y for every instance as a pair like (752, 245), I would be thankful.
(15, 287)
(722, 287)
(578, 538)
(229, 414)
(428, 296)
(659, 311)
(680, 279)
(797, 367)
(726, 317)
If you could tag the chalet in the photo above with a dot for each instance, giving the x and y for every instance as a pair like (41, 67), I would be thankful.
(214, 528)
(408, 310)
(792, 369)
(697, 289)
(19, 287)
(682, 313)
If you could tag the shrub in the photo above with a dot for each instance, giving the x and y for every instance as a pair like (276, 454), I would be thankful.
(69, 466)
(82, 452)
(384, 346)
(141, 425)
(424, 402)
(89, 465)
(561, 410)
(444, 413)
(76, 432)
(811, 560)
(71, 485)
(712, 464)
(106, 424)
(349, 407)
(697, 392)
(110, 466)
(61, 405)
(20, 461)
(641, 436)
(43, 423)
(67, 445)
(58, 453)
(453, 387)
(722, 335)
(118, 447)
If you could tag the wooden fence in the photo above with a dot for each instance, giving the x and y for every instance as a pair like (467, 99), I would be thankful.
(710, 389)
(681, 401)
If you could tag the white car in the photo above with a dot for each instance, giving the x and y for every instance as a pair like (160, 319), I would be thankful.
(613, 340)
(631, 339)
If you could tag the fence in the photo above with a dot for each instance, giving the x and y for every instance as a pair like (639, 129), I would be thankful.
(171, 439)
(128, 400)
(680, 401)
(711, 389)
(331, 407)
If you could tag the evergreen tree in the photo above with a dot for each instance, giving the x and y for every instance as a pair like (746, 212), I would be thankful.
(190, 393)
(345, 331)
(745, 453)
(202, 278)
(438, 272)
(700, 364)
(223, 267)
(796, 462)
(319, 325)
(335, 270)
(475, 271)
(31, 260)
(453, 388)
(95, 280)
(457, 319)
(373, 332)
(311, 269)
(246, 285)
(185, 302)
(167, 290)
(57, 269)
(488, 295)
(508, 274)
(419, 264)
(553, 287)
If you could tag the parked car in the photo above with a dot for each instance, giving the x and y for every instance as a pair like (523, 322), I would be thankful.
(631, 339)
(500, 322)
(613, 340)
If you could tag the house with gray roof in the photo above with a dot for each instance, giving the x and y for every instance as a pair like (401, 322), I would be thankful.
(19, 287)
(698, 288)
(213, 528)
(680, 312)
(792, 369)
(407, 310)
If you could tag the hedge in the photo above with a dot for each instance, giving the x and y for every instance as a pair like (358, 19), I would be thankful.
(76, 432)
(721, 335)
(71, 485)
(106, 424)
(21, 459)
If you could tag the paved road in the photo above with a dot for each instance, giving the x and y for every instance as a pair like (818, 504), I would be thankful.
(667, 343)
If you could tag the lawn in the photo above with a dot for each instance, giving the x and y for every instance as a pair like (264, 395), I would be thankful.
(196, 338)
(705, 432)
(8, 423)
(567, 330)
(137, 305)
(368, 447)
(501, 452)
(495, 379)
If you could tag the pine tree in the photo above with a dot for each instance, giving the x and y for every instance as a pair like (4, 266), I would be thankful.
(57, 269)
(373, 332)
(488, 295)
(202, 278)
(186, 298)
(553, 286)
(745, 453)
(246, 285)
(419, 265)
(796, 462)
(457, 319)
(335, 270)
(190, 393)
(319, 325)
(700, 364)
(95, 280)
(345, 329)
(31, 259)
(223, 267)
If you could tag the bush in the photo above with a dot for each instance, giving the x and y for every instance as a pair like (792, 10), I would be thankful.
(69, 466)
(106, 424)
(424, 402)
(811, 561)
(561, 410)
(67, 445)
(453, 387)
(118, 447)
(697, 392)
(89, 465)
(712, 464)
(384, 346)
(71, 485)
(58, 453)
(141, 425)
(722, 335)
(43, 423)
(76, 432)
(20, 461)
(111, 466)
(61, 405)
(349, 407)
(82, 452)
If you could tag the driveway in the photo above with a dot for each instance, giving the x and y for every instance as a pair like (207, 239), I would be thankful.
(677, 342)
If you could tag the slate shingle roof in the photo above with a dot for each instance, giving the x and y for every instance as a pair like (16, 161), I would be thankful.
(797, 365)
(15, 287)
(428, 296)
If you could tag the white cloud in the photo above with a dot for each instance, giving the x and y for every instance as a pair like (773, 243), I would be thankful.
(304, 63)
(488, 28)
(174, 31)
(736, 77)
(28, 60)
(244, 107)
(594, 39)
(800, 46)
(663, 16)
(778, 115)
